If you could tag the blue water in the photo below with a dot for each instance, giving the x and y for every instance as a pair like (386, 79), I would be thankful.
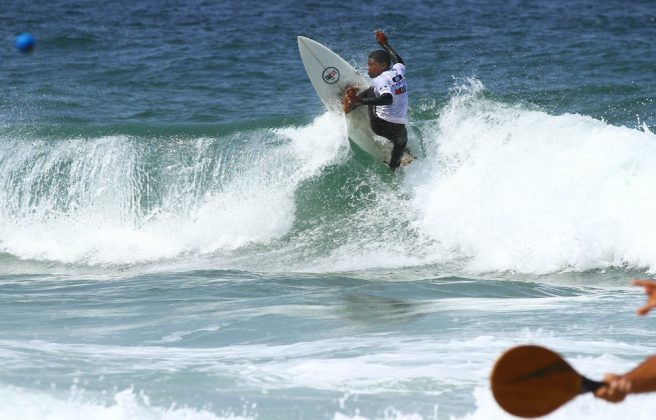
(186, 233)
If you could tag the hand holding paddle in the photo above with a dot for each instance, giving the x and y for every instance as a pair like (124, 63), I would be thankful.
(641, 379)
(615, 389)
(532, 381)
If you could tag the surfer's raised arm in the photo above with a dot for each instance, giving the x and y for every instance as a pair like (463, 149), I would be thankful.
(381, 38)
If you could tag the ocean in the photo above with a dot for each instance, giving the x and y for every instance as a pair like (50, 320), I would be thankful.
(185, 232)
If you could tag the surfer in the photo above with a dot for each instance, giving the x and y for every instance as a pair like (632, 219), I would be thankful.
(643, 377)
(387, 99)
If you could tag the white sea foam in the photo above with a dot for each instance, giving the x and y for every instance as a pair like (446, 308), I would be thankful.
(502, 188)
(508, 188)
(79, 201)
(373, 365)
(389, 413)
(639, 407)
(22, 404)
(513, 189)
(431, 366)
(370, 363)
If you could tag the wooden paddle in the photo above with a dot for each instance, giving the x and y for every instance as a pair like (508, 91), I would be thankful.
(532, 381)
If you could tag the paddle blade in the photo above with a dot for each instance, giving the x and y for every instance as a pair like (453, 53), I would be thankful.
(532, 381)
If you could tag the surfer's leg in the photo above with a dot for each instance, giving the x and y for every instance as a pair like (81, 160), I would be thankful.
(396, 133)
(374, 121)
(400, 140)
(378, 125)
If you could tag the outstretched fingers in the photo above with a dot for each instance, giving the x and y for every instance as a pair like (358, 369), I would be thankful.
(650, 290)
(381, 38)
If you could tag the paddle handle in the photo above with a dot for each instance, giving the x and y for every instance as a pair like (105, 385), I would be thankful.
(588, 385)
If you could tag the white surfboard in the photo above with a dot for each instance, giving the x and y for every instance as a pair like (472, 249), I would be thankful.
(331, 75)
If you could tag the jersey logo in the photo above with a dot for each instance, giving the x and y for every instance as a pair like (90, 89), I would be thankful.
(397, 78)
(330, 75)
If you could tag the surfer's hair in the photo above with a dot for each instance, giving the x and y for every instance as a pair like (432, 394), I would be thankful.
(381, 56)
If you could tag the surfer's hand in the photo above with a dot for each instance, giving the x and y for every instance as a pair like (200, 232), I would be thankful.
(650, 289)
(381, 38)
(351, 99)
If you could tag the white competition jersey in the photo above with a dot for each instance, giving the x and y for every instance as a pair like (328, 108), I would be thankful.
(393, 81)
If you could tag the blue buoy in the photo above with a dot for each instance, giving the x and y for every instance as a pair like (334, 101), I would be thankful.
(25, 42)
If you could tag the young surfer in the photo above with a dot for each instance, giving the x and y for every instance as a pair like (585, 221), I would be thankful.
(387, 98)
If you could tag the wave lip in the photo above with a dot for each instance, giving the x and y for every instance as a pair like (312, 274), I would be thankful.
(516, 189)
(126, 200)
(502, 188)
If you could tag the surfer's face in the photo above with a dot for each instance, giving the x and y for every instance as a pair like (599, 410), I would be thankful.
(374, 68)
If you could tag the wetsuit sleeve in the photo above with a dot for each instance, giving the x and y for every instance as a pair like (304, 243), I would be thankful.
(397, 58)
(382, 85)
(384, 99)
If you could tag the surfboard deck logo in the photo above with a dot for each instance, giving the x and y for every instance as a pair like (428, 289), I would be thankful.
(330, 75)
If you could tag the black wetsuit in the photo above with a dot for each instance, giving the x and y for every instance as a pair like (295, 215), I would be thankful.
(394, 132)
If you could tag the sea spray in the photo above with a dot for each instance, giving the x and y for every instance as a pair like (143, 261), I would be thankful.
(121, 199)
(517, 189)
(503, 187)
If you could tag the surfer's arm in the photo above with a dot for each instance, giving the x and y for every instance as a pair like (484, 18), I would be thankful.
(397, 58)
(382, 41)
(368, 97)
(352, 100)
(384, 99)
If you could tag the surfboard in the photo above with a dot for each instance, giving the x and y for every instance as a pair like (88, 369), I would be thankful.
(330, 76)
